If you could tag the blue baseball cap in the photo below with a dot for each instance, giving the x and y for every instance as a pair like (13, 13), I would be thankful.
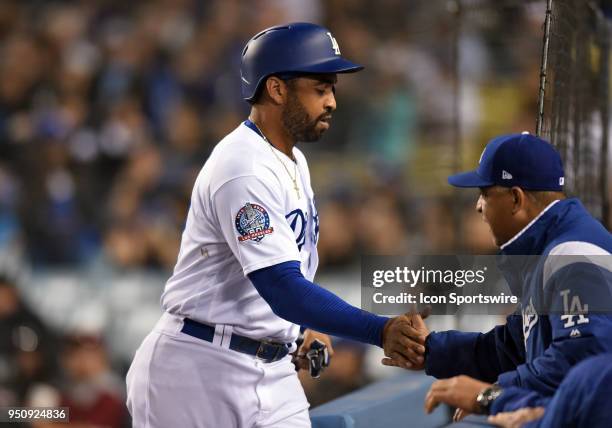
(522, 160)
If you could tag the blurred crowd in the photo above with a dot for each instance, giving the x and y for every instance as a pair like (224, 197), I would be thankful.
(39, 368)
(108, 109)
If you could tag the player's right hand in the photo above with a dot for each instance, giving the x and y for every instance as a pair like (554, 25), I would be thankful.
(404, 342)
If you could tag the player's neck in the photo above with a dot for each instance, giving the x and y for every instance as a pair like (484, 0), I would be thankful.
(270, 125)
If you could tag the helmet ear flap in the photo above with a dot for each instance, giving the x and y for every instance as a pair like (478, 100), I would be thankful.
(258, 92)
(254, 99)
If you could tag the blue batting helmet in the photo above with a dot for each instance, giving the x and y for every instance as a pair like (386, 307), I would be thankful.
(298, 48)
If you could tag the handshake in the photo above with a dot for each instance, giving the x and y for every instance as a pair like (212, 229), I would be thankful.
(404, 341)
(404, 345)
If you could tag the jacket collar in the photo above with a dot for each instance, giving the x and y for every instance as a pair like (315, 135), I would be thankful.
(529, 240)
(532, 240)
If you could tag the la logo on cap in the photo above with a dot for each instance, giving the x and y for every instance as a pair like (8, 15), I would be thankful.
(506, 175)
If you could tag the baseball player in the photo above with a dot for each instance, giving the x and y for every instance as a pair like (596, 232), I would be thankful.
(242, 287)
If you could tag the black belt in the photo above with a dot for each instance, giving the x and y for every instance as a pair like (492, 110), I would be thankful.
(268, 352)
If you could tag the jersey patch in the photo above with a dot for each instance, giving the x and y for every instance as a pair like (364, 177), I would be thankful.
(253, 223)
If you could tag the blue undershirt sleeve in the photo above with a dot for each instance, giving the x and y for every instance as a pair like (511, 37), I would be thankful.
(295, 299)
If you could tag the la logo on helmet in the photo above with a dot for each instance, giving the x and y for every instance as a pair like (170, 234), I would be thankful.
(334, 43)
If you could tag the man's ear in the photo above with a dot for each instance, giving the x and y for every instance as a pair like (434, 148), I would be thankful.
(276, 89)
(519, 199)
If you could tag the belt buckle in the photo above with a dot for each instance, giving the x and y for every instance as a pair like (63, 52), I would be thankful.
(261, 349)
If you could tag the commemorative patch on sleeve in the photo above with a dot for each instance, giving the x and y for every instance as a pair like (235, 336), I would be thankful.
(253, 223)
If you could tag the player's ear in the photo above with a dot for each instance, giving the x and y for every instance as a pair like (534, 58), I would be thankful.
(519, 199)
(276, 90)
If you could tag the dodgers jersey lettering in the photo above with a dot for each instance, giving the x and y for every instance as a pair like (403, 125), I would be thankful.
(245, 215)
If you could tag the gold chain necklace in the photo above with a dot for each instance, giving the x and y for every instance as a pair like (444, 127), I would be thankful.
(295, 172)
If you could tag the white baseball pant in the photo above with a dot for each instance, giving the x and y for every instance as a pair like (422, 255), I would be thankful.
(177, 380)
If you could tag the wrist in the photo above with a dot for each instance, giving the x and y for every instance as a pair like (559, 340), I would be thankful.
(426, 344)
(385, 329)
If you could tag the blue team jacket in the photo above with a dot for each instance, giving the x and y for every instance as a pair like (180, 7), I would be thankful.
(582, 399)
(565, 312)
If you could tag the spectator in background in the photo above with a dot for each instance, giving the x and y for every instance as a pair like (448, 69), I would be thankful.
(9, 223)
(26, 347)
(94, 393)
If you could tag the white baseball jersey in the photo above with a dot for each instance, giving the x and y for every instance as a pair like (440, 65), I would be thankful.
(245, 215)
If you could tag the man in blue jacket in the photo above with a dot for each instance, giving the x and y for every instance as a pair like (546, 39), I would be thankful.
(556, 257)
